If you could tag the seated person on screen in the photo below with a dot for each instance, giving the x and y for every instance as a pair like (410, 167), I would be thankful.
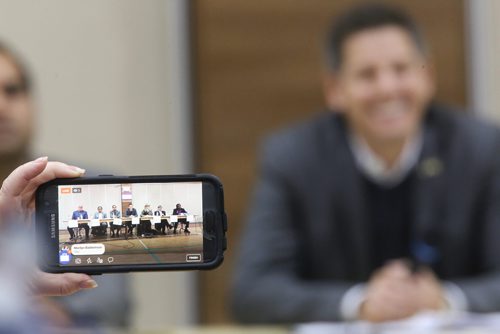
(115, 213)
(161, 226)
(103, 226)
(130, 212)
(145, 225)
(182, 213)
(384, 178)
(77, 215)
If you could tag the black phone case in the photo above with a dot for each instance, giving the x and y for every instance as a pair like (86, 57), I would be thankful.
(214, 226)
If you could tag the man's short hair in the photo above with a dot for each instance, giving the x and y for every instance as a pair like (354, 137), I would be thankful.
(364, 17)
(20, 66)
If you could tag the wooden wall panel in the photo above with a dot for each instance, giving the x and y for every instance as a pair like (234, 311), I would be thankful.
(257, 67)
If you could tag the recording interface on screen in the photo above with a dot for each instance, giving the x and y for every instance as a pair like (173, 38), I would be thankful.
(136, 223)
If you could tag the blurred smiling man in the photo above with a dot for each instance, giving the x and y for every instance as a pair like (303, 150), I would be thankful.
(386, 205)
(383, 86)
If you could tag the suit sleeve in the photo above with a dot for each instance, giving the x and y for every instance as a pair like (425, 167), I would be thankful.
(267, 286)
(482, 292)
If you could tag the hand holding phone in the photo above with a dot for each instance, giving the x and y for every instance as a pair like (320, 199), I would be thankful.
(16, 205)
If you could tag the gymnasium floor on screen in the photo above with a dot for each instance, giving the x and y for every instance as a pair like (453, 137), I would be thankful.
(140, 250)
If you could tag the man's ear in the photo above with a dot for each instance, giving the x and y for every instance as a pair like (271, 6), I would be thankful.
(332, 91)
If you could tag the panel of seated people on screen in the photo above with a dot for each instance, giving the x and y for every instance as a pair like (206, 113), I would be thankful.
(130, 223)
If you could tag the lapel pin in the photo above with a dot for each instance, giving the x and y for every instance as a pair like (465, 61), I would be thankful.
(430, 167)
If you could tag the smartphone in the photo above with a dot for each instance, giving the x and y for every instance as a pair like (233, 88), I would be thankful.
(109, 224)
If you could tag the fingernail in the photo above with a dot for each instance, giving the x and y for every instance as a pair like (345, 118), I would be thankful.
(42, 159)
(78, 169)
(90, 284)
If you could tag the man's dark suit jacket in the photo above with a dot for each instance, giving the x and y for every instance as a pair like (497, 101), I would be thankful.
(306, 240)
(178, 211)
(132, 212)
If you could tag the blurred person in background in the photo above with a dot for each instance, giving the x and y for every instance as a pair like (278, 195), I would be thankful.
(89, 308)
(386, 205)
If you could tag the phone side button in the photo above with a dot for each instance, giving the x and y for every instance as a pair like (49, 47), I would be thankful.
(224, 221)
(209, 221)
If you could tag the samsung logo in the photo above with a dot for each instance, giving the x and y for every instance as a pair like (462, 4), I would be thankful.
(52, 225)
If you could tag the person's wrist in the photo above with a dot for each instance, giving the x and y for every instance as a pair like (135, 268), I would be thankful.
(350, 305)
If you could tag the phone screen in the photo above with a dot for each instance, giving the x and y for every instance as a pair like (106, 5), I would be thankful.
(130, 223)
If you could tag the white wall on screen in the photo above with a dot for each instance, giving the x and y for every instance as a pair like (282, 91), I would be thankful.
(188, 194)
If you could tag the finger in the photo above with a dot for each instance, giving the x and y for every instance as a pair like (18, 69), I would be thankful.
(398, 269)
(17, 181)
(397, 300)
(393, 268)
(53, 170)
(62, 284)
(392, 310)
(387, 297)
(426, 273)
(403, 288)
(397, 293)
(394, 283)
(377, 311)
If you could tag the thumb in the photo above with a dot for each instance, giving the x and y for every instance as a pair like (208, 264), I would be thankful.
(62, 284)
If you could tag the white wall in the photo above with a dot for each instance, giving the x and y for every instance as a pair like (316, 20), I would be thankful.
(484, 57)
(112, 95)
